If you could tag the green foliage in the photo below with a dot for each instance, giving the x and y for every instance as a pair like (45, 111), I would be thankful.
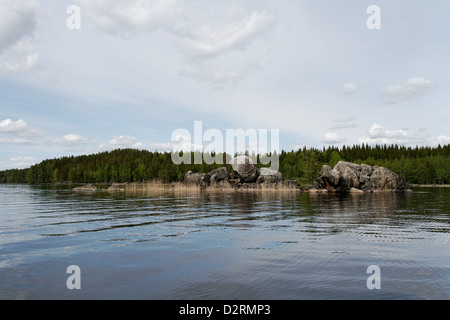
(425, 165)
(334, 158)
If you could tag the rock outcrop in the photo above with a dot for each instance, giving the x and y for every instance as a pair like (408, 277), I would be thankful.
(195, 178)
(116, 187)
(347, 176)
(86, 188)
(245, 176)
(217, 175)
(244, 168)
(269, 176)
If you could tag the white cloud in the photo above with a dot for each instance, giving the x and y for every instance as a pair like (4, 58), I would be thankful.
(180, 143)
(300, 146)
(21, 57)
(24, 161)
(122, 142)
(15, 141)
(160, 147)
(443, 140)
(218, 46)
(127, 18)
(20, 130)
(73, 140)
(332, 138)
(380, 135)
(17, 35)
(349, 88)
(18, 163)
(211, 40)
(378, 131)
(413, 88)
(17, 20)
(204, 35)
(184, 143)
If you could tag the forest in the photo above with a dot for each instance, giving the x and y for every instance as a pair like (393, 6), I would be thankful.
(418, 165)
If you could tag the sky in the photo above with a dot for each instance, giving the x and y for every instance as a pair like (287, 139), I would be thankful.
(87, 76)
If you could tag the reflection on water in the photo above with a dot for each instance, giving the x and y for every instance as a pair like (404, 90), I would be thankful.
(223, 246)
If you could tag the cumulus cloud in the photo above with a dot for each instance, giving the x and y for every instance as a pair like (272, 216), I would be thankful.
(18, 21)
(443, 140)
(380, 135)
(349, 88)
(300, 146)
(21, 57)
(19, 163)
(122, 142)
(214, 38)
(24, 161)
(217, 46)
(160, 147)
(414, 88)
(127, 18)
(73, 140)
(181, 141)
(203, 35)
(15, 141)
(333, 138)
(19, 130)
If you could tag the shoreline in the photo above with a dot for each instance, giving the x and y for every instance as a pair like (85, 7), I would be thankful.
(430, 186)
(288, 186)
(216, 188)
(157, 186)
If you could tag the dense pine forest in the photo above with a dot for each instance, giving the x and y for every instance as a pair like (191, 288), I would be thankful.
(419, 165)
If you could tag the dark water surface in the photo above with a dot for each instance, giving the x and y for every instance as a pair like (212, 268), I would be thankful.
(223, 246)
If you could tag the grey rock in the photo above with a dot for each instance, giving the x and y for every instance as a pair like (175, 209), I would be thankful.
(384, 179)
(86, 188)
(244, 168)
(217, 175)
(342, 165)
(269, 176)
(355, 190)
(330, 180)
(366, 170)
(195, 178)
(325, 169)
(351, 176)
(346, 176)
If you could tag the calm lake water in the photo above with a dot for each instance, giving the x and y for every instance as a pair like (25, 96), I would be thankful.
(277, 246)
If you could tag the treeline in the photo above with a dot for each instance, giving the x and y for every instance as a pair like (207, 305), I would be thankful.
(422, 165)
(418, 165)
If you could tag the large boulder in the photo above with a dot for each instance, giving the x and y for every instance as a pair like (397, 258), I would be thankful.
(217, 175)
(346, 176)
(244, 168)
(86, 188)
(330, 179)
(383, 179)
(194, 178)
(267, 175)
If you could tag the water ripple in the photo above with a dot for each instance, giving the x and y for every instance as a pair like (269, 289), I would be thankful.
(226, 246)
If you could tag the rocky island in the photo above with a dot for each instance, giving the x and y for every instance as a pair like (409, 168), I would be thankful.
(345, 177)
(245, 176)
(351, 177)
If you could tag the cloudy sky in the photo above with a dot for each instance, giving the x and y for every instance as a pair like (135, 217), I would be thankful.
(133, 71)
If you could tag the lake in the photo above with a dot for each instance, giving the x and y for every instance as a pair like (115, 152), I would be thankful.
(231, 246)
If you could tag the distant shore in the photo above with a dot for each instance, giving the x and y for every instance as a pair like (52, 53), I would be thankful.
(219, 187)
(430, 185)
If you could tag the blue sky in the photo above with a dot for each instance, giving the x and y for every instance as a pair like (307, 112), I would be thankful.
(137, 70)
